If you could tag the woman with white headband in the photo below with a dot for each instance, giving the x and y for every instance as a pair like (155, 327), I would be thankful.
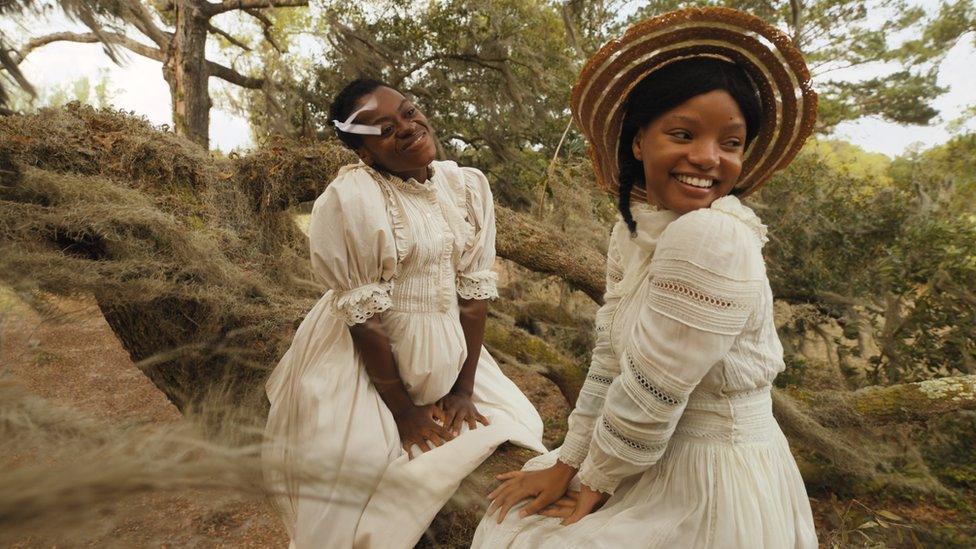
(386, 394)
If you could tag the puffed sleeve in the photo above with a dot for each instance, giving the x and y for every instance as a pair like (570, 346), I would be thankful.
(707, 275)
(604, 365)
(475, 279)
(352, 247)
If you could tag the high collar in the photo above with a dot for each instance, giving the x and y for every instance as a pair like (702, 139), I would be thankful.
(651, 222)
(733, 206)
(410, 185)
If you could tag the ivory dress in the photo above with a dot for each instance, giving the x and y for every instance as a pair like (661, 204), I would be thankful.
(406, 250)
(675, 416)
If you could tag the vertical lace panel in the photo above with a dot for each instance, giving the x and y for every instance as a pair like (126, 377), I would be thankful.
(700, 298)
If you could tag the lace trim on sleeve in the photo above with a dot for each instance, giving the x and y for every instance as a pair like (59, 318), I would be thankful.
(360, 304)
(629, 447)
(596, 480)
(478, 285)
(573, 450)
(700, 298)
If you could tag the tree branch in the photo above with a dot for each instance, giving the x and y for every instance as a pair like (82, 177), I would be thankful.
(540, 248)
(230, 75)
(227, 36)
(143, 20)
(883, 405)
(266, 26)
(213, 69)
(91, 38)
(212, 9)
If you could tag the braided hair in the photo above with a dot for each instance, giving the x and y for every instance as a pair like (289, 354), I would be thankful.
(665, 89)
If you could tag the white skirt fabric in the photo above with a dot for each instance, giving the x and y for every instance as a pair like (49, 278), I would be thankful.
(327, 419)
(727, 479)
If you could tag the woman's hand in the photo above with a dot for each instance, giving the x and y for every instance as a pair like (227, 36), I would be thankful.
(458, 410)
(587, 501)
(417, 425)
(547, 486)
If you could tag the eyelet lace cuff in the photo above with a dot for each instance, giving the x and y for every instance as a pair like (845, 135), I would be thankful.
(360, 304)
(477, 285)
(594, 478)
(573, 450)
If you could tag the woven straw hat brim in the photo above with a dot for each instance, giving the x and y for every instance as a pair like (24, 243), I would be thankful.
(775, 65)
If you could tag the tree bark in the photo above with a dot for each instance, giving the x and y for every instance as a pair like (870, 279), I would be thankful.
(186, 72)
(542, 249)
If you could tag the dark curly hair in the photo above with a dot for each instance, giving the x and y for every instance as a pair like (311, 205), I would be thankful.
(344, 103)
(664, 90)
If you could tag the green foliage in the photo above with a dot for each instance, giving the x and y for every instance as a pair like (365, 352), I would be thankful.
(493, 77)
(895, 252)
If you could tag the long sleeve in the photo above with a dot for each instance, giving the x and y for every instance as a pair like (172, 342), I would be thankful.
(706, 277)
(475, 279)
(604, 366)
(352, 246)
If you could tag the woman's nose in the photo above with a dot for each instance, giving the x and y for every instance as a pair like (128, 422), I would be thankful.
(704, 154)
(405, 127)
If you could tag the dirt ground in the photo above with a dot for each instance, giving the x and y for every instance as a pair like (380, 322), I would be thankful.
(75, 359)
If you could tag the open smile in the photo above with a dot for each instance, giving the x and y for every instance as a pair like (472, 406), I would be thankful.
(415, 141)
(699, 182)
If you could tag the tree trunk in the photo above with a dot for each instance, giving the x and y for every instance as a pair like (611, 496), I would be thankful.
(185, 70)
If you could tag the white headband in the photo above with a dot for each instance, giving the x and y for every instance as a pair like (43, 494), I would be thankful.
(360, 129)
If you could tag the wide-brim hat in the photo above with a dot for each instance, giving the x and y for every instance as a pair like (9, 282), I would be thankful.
(769, 57)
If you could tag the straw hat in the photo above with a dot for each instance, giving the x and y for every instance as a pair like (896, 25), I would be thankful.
(776, 67)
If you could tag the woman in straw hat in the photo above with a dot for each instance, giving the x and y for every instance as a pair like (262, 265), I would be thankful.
(672, 442)
(386, 399)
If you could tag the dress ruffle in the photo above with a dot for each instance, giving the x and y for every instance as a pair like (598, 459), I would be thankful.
(479, 285)
(360, 304)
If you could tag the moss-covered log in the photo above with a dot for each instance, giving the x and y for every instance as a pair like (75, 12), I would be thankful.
(903, 403)
(530, 244)
(502, 338)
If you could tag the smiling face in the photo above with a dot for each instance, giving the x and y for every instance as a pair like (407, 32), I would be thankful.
(692, 154)
(405, 146)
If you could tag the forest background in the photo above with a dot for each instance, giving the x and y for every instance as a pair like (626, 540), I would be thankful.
(191, 266)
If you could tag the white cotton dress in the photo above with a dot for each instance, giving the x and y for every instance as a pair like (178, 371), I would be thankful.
(406, 250)
(675, 416)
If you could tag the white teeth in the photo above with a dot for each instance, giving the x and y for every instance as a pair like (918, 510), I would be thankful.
(695, 181)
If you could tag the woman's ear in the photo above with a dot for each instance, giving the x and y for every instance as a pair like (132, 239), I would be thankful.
(635, 145)
(365, 156)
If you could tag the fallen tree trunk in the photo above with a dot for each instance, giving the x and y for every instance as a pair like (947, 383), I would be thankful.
(530, 244)
(908, 402)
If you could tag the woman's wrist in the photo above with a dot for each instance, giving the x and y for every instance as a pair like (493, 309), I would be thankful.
(564, 469)
(395, 396)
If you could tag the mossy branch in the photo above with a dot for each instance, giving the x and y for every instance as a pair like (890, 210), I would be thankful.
(877, 405)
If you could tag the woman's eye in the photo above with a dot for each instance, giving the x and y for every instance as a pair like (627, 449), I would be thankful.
(734, 143)
(681, 134)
